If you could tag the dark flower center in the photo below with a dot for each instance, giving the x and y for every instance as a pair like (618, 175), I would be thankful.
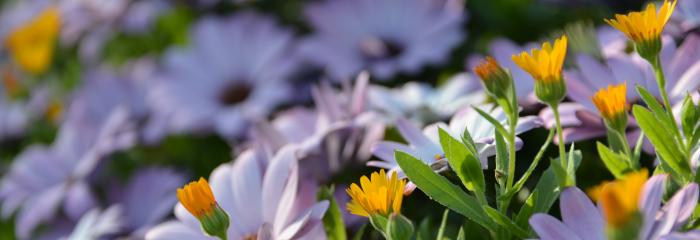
(377, 49)
(234, 93)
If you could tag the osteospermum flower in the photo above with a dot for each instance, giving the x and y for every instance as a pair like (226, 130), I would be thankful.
(235, 70)
(379, 194)
(32, 44)
(644, 26)
(619, 198)
(581, 219)
(385, 37)
(423, 103)
(269, 202)
(612, 104)
(545, 66)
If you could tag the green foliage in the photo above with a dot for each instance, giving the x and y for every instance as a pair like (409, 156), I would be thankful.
(399, 227)
(333, 220)
(667, 147)
(464, 163)
(617, 164)
(442, 190)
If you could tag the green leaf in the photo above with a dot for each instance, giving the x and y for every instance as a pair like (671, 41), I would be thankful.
(465, 164)
(442, 190)
(501, 160)
(469, 142)
(545, 193)
(399, 227)
(425, 229)
(379, 223)
(443, 224)
(506, 223)
(527, 209)
(333, 220)
(666, 146)
(689, 116)
(664, 120)
(617, 164)
(460, 234)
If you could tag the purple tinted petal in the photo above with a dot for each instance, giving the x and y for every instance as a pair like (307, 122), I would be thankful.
(580, 215)
(175, 230)
(549, 228)
(79, 199)
(650, 201)
(385, 150)
(412, 134)
(676, 211)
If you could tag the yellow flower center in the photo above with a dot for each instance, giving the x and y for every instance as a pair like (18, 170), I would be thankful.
(611, 101)
(619, 199)
(544, 64)
(378, 195)
(32, 44)
(644, 25)
(197, 198)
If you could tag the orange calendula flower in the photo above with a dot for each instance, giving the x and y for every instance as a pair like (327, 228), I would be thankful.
(197, 198)
(644, 25)
(545, 66)
(619, 199)
(612, 104)
(379, 194)
(496, 81)
(32, 45)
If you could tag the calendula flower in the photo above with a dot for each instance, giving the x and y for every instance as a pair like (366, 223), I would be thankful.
(581, 219)
(32, 44)
(644, 25)
(379, 194)
(496, 81)
(199, 200)
(612, 104)
(545, 66)
(619, 198)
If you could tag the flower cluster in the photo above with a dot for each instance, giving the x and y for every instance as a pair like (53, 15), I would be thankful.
(331, 119)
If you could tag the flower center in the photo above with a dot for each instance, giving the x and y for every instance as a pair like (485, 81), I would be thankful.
(376, 48)
(234, 93)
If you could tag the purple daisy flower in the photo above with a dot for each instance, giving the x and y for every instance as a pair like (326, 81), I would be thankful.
(386, 36)
(581, 219)
(98, 122)
(425, 144)
(262, 202)
(339, 132)
(234, 71)
(422, 103)
(97, 224)
(685, 18)
(581, 118)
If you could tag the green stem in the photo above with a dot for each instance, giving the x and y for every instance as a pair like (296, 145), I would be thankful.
(560, 135)
(661, 83)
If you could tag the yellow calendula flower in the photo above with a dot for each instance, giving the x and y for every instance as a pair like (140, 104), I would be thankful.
(643, 25)
(32, 45)
(378, 194)
(495, 79)
(612, 104)
(199, 200)
(620, 199)
(545, 66)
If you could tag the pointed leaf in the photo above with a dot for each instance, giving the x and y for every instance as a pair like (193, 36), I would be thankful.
(617, 164)
(466, 165)
(442, 190)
